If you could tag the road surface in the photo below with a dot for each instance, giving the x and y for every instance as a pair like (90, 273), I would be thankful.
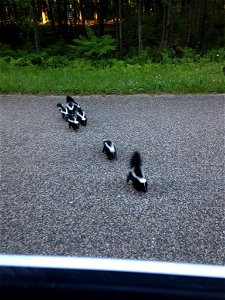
(60, 195)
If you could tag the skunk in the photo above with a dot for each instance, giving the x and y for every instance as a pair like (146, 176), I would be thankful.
(63, 109)
(81, 116)
(71, 106)
(73, 122)
(71, 100)
(136, 174)
(109, 148)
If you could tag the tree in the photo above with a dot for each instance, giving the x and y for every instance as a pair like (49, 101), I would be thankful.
(36, 33)
(140, 8)
(119, 26)
(167, 15)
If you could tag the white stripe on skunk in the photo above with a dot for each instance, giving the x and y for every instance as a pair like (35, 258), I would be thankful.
(109, 148)
(81, 116)
(73, 122)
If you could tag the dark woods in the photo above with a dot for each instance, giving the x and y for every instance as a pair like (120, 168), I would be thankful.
(135, 24)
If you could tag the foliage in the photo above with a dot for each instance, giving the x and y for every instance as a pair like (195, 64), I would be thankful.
(92, 46)
(83, 77)
(215, 55)
(189, 55)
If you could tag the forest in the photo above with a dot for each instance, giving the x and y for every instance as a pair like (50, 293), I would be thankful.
(135, 24)
(133, 38)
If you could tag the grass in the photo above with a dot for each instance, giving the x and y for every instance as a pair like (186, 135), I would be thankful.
(82, 77)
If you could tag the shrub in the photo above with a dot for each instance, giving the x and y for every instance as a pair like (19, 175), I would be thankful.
(136, 57)
(189, 55)
(56, 62)
(92, 46)
(217, 55)
(20, 62)
(166, 56)
(6, 51)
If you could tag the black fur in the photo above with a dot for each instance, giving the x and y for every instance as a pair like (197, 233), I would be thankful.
(72, 121)
(136, 174)
(63, 109)
(69, 99)
(81, 117)
(111, 153)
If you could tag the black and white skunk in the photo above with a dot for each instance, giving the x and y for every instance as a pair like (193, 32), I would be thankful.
(81, 116)
(72, 120)
(63, 109)
(70, 100)
(136, 174)
(71, 108)
(109, 148)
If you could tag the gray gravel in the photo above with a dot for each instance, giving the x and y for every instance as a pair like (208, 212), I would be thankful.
(62, 196)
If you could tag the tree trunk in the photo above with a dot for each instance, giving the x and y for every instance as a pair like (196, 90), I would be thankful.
(101, 17)
(167, 15)
(51, 15)
(204, 25)
(187, 14)
(139, 26)
(119, 26)
(36, 33)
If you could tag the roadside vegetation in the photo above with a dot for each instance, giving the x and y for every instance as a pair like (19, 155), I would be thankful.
(112, 46)
(89, 68)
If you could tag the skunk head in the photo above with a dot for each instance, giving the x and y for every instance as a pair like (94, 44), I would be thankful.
(81, 115)
(109, 148)
(62, 109)
(136, 174)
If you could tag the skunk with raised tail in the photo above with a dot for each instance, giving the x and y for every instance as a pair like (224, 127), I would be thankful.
(73, 122)
(81, 116)
(109, 148)
(136, 174)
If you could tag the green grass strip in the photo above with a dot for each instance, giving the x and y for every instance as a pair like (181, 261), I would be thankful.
(121, 78)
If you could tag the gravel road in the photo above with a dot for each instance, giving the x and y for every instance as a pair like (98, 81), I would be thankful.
(61, 196)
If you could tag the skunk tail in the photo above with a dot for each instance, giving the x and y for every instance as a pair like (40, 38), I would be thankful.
(135, 160)
(69, 99)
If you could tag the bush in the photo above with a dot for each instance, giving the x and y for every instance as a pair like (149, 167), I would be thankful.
(20, 62)
(189, 55)
(215, 55)
(6, 59)
(136, 57)
(167, 56)
(56, 62)
(92, 46)
(6, 51)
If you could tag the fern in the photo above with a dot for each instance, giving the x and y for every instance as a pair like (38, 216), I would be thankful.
(92, 46)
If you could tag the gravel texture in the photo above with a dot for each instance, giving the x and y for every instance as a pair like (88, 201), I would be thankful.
(61, 196)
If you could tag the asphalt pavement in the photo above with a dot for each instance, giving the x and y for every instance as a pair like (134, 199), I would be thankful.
(60, 195)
